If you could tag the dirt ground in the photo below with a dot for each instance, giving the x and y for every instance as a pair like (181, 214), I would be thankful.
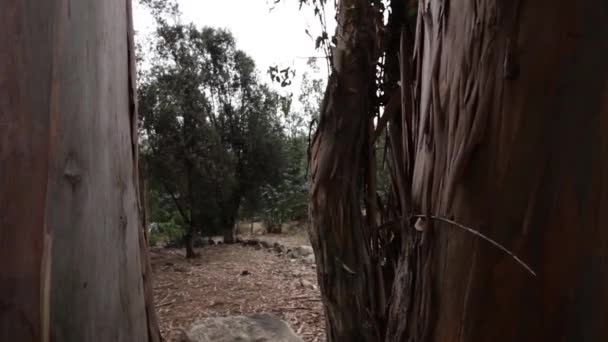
(232, 280)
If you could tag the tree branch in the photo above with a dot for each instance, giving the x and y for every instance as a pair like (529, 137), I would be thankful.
(175, 200)
(392, 108)
(482, 236)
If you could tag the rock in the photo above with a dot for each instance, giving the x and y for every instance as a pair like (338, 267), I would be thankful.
(252, 328)
(278, 248)
(307, 284)
(265, 244)
(305, 250)
(251, 242)
(302, 251)
(309, 259)
(257, 247)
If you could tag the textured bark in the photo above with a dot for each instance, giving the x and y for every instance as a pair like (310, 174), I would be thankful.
(189, 241)
(337, 234)
(68, 152)
(229, 219)
(512, 106)
(140, 182)
(26, 52)
(504, 106)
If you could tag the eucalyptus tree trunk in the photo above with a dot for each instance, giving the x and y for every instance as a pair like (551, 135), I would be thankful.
(499, 162)
(511, 117)
(343, 262)
(74, 264)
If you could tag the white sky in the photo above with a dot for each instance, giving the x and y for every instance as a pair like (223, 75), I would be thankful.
(269, 37)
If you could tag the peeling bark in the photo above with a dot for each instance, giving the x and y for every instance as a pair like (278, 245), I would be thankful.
(502, 114)
(337, 234)
(512, 113)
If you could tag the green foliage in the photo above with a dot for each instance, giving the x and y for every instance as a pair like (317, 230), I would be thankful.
(288, 200)
(211, 133)
(217, 142)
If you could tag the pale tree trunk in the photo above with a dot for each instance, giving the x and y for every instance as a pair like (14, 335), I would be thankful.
(504, 109)
(69, 156)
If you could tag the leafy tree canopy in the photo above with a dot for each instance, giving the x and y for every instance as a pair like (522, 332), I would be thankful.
(211, 131)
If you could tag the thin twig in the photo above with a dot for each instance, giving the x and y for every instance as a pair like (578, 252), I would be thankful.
(482, 236)
(167, 303)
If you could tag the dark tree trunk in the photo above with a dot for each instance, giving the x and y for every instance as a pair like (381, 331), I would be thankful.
(274, 228)
(510, 141)
(229, 220)
(503, 113)
(345, 271)
(189, 242)
(229, 234)
(69, 175)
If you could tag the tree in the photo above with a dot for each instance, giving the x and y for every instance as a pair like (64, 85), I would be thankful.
(212, 133)
(287, 199)
(75, 265)
(494, 113)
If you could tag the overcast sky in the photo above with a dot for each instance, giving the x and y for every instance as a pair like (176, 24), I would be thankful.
(269, 37)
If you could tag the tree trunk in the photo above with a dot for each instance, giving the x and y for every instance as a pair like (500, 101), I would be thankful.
(229, 236)
(504, 106)
(68, 124)
(513, 109)
(337, 235)
(229, 220)
(189, 241)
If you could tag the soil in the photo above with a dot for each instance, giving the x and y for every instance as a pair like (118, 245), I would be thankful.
(231, 280)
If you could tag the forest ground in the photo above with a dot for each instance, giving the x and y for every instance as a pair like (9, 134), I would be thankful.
(233, 280)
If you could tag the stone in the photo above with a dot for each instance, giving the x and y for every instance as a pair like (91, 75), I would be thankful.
(309, 259)
(252, 242)
(252, 328)
(278, 248)
(300, 252)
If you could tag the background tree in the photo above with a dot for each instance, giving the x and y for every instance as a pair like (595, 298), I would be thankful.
(212, 131)
(74, 257)
(287, 199)
(493, 135)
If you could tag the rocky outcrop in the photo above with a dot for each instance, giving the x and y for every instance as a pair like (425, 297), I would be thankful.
(252, 328)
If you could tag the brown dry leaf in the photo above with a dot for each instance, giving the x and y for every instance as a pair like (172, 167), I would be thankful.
(213, 285)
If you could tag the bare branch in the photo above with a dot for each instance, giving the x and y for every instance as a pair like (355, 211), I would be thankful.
(483, 237)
